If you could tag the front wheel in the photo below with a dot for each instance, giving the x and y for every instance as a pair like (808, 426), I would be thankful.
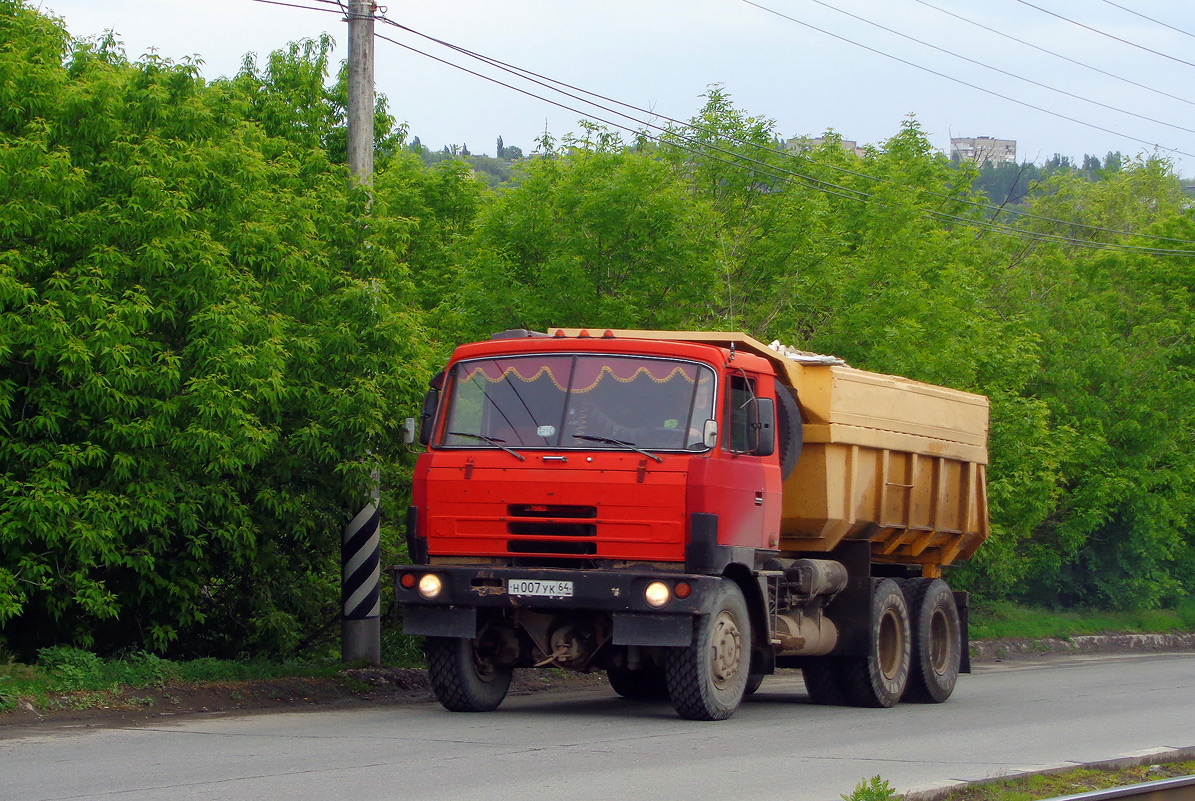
(464, 677)
(706, 680)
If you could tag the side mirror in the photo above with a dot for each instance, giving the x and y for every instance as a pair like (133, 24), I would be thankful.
(763, 423)
(709, 435)
(428, 415)
(408, 431)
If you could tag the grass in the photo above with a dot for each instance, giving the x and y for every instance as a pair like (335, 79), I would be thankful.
(70, 678)
(1079, 780)
(1006, 620)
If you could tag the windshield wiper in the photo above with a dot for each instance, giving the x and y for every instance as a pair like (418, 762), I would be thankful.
(497, 443)
(609, 441)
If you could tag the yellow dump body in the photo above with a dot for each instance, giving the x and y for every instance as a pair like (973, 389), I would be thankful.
(900, 463)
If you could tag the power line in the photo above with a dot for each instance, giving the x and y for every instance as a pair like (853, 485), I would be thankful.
(773, 172)
(1105, 33)
(551, 84)
(824, 186)
(970, 60)
(1151, 19)
(965, 83)
(778, 173)
(336, 10)
(1056, 55)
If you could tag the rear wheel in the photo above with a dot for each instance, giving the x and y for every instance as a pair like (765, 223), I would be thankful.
(936, 638)
(879, 678)
(707, 679)
(464, 676)
(646, 684)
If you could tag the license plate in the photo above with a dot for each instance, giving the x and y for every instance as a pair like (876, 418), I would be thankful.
(543, 589)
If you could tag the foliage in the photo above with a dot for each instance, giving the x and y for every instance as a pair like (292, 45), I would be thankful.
(875, 789)
(1003, 619)
(198, 329)
(67, 677)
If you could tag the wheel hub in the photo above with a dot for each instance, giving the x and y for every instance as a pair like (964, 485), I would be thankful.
(726, 649)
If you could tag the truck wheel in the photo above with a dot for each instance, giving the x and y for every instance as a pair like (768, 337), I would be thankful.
(821, 675)
(879, 679)
(789, 432)
(706, 680)
(937, 641)
(463, 678)
(646, 684)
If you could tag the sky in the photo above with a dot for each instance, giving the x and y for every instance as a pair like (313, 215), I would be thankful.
(850, 66)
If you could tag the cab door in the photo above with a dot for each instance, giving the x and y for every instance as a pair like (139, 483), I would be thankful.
(742, 485)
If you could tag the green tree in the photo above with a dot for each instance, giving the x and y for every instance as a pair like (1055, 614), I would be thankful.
(199, 328)
(1115, 374)
(601, 237)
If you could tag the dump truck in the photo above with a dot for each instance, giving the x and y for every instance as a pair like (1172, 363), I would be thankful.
(689, 512)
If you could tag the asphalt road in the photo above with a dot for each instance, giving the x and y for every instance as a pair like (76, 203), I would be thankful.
(1005, 718)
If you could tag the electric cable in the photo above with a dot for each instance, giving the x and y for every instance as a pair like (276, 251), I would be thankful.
(1047, 51)
(305, 8)
(547, 82)
(1105, 33)
(777, 173)
(1004, 72)
(967, 84)
(772, 171)
(1151, 19)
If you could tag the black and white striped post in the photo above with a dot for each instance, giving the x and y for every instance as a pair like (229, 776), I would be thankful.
(360, 557)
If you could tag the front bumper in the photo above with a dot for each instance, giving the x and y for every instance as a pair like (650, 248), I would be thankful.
(620, 594)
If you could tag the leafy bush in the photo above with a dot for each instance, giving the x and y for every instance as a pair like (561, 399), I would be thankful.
(206, 344)
(876, 789)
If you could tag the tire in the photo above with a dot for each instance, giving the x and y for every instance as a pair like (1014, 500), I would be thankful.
(937, 641)
(823, 681)
(789, 432)
(646, 684)
(463, 679)
(707, 679)
(754, 680)
(879, 678)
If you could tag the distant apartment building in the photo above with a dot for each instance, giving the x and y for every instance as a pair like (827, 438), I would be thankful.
(984, 150)
(802, 143)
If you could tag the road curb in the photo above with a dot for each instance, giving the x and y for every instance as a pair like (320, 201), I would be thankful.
(997, 650)
(1159, 757)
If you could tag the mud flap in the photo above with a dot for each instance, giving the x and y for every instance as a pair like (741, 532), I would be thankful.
(440, 621)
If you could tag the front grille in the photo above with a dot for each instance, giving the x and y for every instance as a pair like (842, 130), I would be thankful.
(551, 510)
(552, 529)
(565, 548)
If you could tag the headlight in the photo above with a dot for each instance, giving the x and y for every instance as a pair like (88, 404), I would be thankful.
(430, 586)
(657, 594)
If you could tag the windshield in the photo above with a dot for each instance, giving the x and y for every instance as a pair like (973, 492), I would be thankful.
(555, 401)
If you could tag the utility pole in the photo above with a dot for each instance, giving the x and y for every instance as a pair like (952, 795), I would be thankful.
(361, 96)
(360, 554)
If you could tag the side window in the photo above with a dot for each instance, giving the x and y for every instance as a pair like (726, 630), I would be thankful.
(737, 434)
